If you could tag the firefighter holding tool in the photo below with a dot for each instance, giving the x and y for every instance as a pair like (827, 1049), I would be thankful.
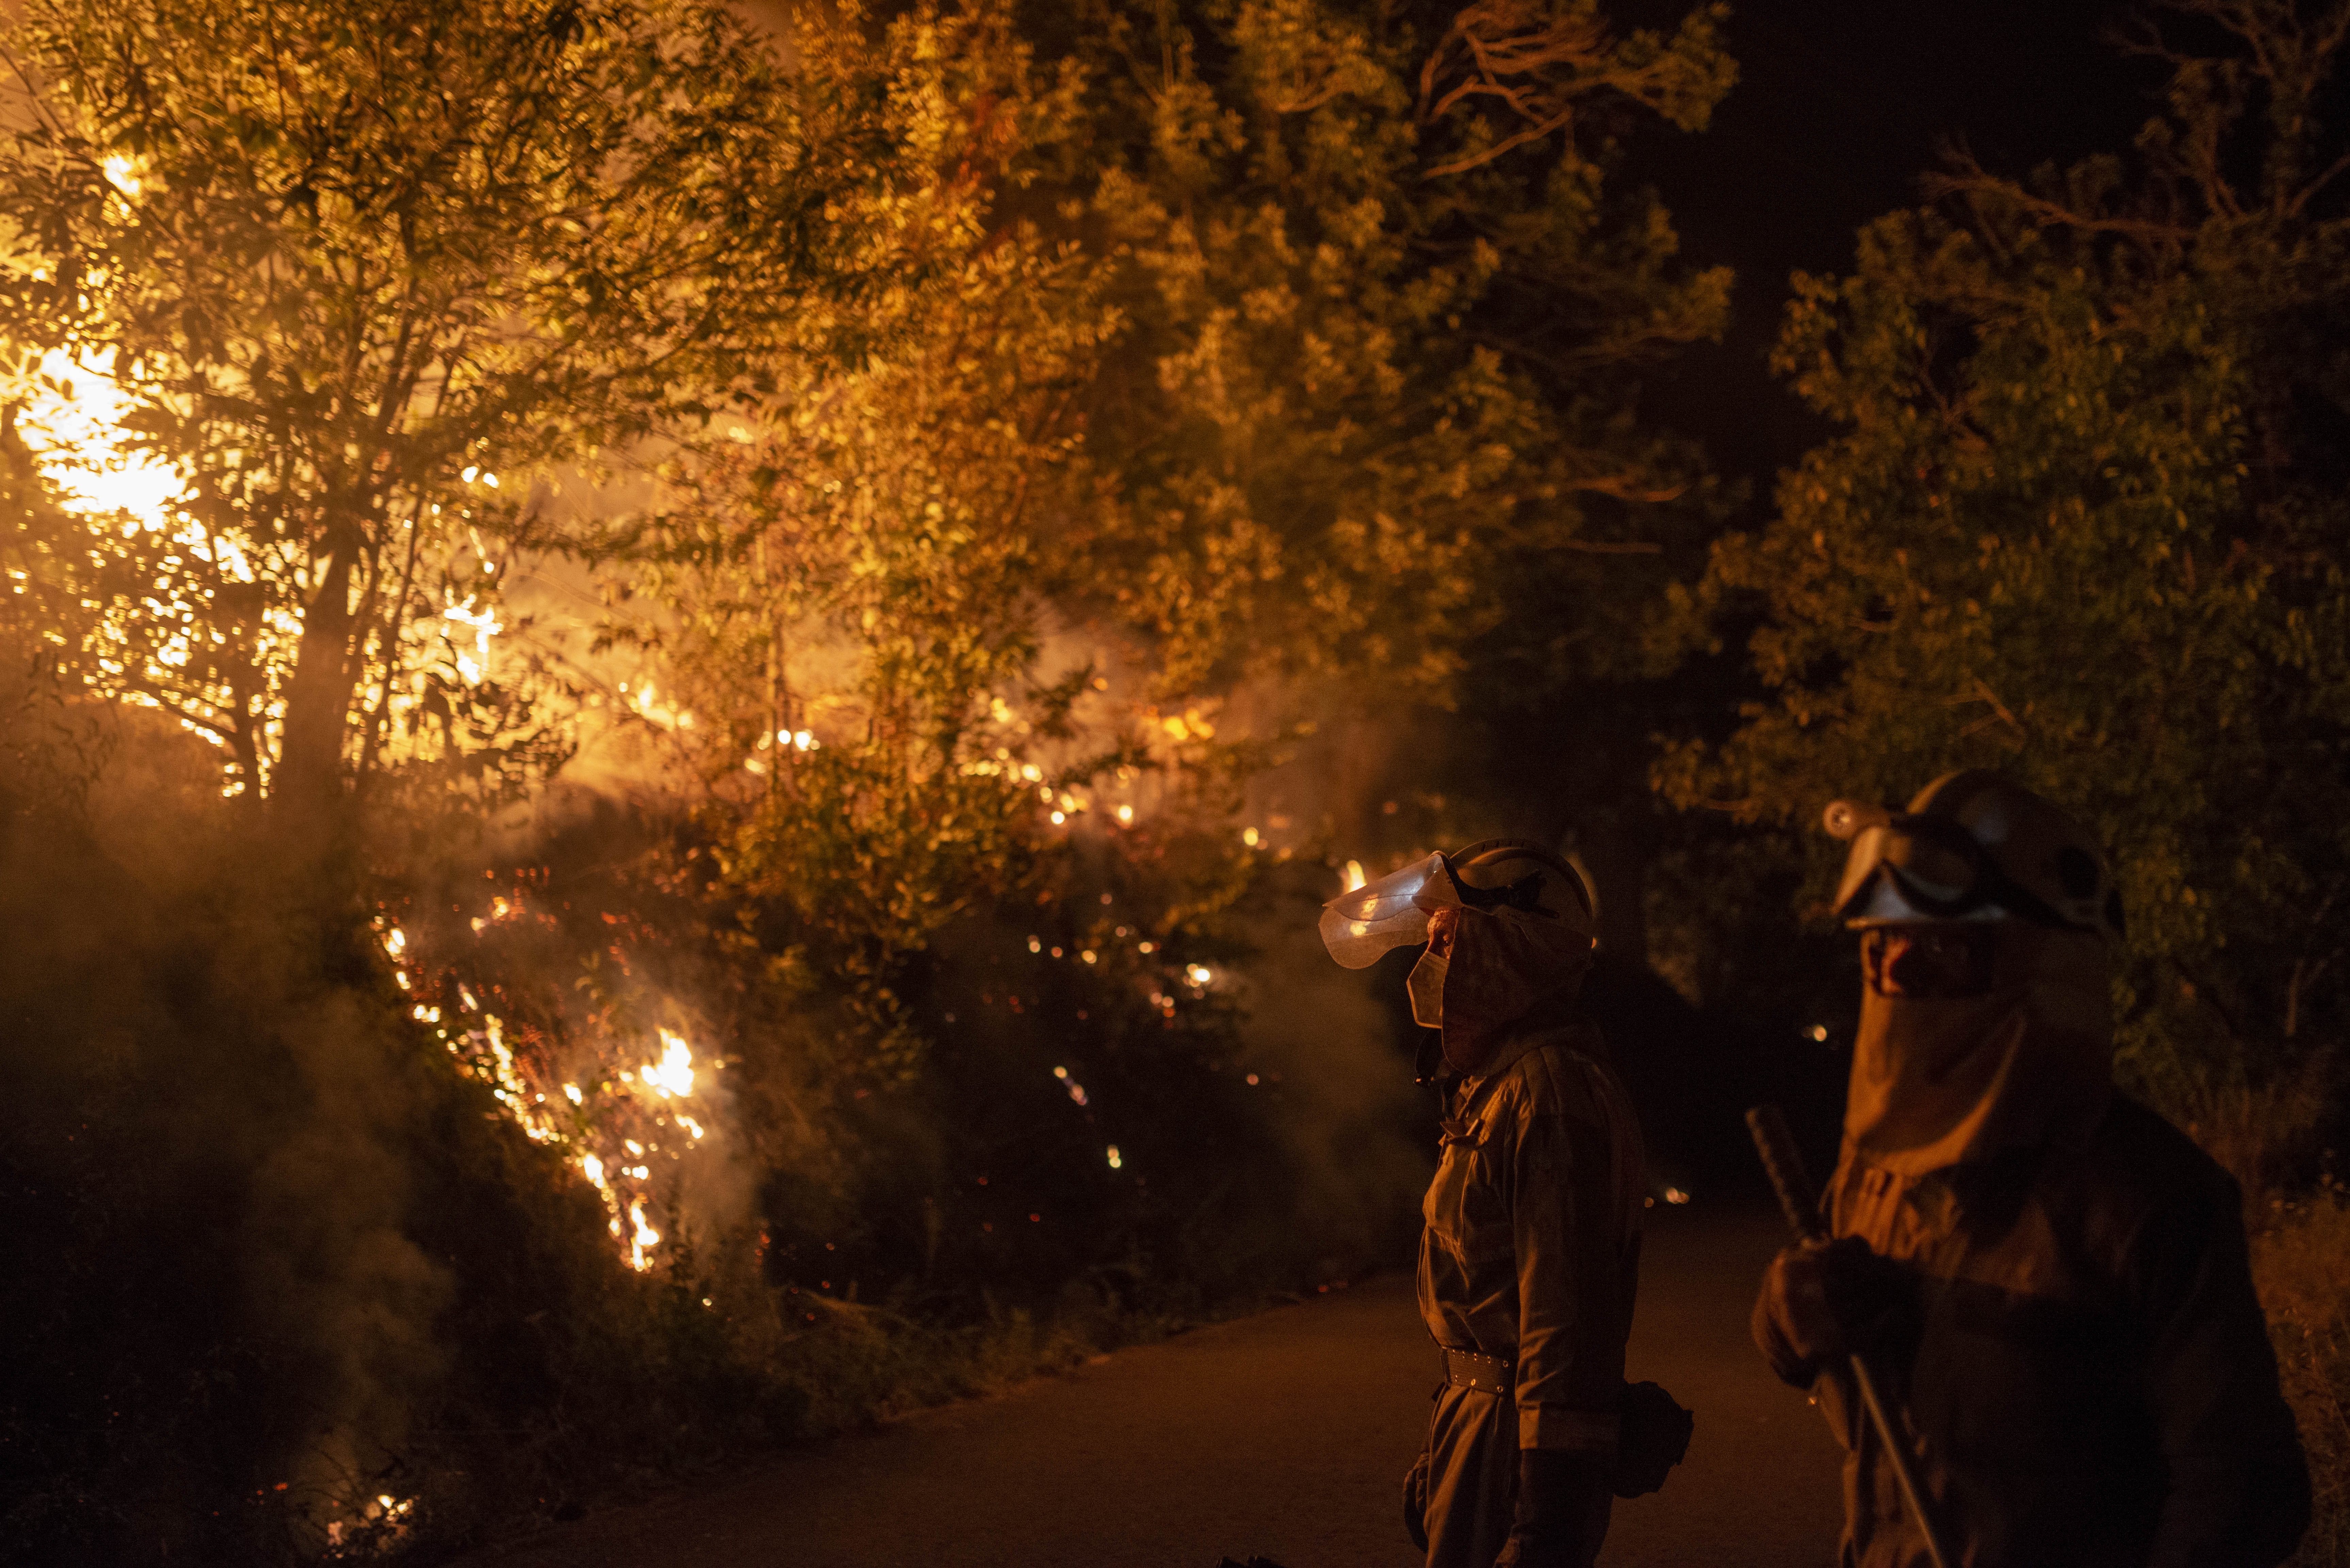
(1530, 1254)
(2046, 1281)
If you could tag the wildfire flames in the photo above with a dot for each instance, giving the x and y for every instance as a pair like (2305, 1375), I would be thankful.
(629, 1130)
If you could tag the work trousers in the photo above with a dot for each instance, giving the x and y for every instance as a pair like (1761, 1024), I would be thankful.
(1472, 1479)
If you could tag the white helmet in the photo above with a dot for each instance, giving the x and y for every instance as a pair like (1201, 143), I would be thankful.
(1362, 924)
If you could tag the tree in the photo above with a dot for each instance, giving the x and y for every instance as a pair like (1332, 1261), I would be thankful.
(1387, 316)
(305, 296)
(847, 588)
(2085, 522)
(1266, 370)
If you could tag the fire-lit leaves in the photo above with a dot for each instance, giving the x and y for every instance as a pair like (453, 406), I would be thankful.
(348, 305)
(1337, 414)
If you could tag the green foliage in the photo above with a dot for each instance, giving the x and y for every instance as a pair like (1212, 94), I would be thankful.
(847, 588)
(1246, 365)
(1385, 312)
(2083, 522)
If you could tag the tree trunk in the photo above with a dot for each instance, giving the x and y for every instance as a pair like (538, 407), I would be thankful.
(308, 792)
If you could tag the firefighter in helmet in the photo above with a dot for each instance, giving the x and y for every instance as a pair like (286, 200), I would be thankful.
(1530, 1254)
(2049, 1280)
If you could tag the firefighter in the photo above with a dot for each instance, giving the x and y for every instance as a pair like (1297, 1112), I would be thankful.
(2049, 1280)
(1530, 1252)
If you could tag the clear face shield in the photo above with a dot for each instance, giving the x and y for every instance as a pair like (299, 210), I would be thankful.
(1538, 942)
(1364, 924)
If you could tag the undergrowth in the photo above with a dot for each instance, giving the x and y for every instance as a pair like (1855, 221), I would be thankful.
(2300, 1260)
(295, 1287)
(2268, 1136)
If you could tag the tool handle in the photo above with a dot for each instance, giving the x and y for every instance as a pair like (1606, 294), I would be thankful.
(1784, 1163)
(1897, 1454)
(1774, 1141)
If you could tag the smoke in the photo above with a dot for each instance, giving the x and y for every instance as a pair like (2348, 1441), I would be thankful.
(329, 1265)
(1324, 1041)
(215, 1120)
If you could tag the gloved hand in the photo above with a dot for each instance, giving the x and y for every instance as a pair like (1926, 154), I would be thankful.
(1415, 1502)
(1561, 1510)
(1823, 1300)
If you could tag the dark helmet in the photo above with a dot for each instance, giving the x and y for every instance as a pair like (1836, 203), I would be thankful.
(1973, 845)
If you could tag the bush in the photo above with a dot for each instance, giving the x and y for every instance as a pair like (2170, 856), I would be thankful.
(299, 1284)
(2300, 1260)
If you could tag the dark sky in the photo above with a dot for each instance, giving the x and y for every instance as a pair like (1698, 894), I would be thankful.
(1840, 106)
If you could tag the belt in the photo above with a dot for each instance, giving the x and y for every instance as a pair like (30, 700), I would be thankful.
(1486, 1373)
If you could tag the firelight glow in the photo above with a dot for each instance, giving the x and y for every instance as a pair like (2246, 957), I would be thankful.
(552, 1110)
(674, 1074)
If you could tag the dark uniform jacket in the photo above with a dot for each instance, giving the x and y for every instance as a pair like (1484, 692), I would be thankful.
(2085, 1371)
(1530, 1252)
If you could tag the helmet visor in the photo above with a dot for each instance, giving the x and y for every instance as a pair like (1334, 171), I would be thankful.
(1364, 923)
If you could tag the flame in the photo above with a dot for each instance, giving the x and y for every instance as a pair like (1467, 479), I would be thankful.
(475, 665)
(674, 1074)
(1355, 877)
(72, 417)
(647, 704)
(592, 1126)
(644, 1238)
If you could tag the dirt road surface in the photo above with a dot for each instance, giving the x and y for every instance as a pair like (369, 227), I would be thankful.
(1283, 1434)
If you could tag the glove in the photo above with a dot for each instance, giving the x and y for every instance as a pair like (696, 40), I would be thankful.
(1562, 1509)
(1415, 1502)
(1824, 1301)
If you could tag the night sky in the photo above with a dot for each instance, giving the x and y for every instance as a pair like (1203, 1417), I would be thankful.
(1840, 106)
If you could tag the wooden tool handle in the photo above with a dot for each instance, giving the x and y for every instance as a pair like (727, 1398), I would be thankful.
(1784, 1163)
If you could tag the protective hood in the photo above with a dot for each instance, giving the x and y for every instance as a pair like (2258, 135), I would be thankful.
(1938, 1080)
(2027, 1061)
(1524, 934)
(1501, 967)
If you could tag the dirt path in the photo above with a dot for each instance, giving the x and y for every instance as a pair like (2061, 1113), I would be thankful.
(1283, 1435)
